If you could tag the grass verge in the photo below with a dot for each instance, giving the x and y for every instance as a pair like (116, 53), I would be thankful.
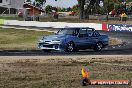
(16, 39)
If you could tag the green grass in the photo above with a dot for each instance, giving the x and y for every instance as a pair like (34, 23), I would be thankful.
(12, 39)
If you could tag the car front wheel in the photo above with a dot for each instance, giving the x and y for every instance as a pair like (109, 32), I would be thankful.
(70, 47)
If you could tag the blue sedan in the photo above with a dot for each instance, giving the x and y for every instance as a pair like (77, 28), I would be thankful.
(73, 39)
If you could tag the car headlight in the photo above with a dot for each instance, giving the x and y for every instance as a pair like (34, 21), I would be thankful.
(41, 40)
(56, 41)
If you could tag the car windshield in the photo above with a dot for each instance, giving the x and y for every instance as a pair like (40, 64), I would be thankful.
(68, 31)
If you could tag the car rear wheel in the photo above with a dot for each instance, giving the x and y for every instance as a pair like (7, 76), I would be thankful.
(98, 47)
(70, 47)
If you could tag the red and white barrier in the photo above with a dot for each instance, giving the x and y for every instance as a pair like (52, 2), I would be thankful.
(104, 26)
(117, 27)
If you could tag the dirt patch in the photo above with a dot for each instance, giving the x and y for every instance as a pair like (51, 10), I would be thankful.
(115, 41)
(61, 71)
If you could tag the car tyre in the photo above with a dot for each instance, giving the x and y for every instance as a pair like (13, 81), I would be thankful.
(98, 47)
(70, 47)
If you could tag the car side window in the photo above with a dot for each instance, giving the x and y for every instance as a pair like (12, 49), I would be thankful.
(83, 33)
(75, 32)
(90, 33)
(70, 31)
(95, 34)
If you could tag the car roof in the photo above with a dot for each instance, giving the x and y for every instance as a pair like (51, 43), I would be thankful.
(79, 28)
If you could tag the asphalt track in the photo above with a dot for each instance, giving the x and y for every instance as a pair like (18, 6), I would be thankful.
(123, 49)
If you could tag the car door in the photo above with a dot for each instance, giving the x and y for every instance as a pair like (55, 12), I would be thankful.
(94, 37)
(82, 39)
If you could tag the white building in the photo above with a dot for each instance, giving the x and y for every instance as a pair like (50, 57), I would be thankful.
(10, 6)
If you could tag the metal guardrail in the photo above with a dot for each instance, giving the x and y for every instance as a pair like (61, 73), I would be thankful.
(91, 17)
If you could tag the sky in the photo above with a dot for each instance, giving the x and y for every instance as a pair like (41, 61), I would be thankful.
(61, 3)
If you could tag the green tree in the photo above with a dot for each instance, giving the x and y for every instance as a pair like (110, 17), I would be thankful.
(69, 9)
(28, 0)
(75, 8)
(84, 9)
(59, 9)
(63, 9)
(41, 2)
(109, 5)
(81, 8)
(48, 9)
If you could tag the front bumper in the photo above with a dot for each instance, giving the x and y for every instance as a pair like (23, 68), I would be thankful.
(46, 46)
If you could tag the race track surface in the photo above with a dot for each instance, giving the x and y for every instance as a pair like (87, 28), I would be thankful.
(123, 49)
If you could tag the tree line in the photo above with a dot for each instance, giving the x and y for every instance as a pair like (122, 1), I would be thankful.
(86, 7)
